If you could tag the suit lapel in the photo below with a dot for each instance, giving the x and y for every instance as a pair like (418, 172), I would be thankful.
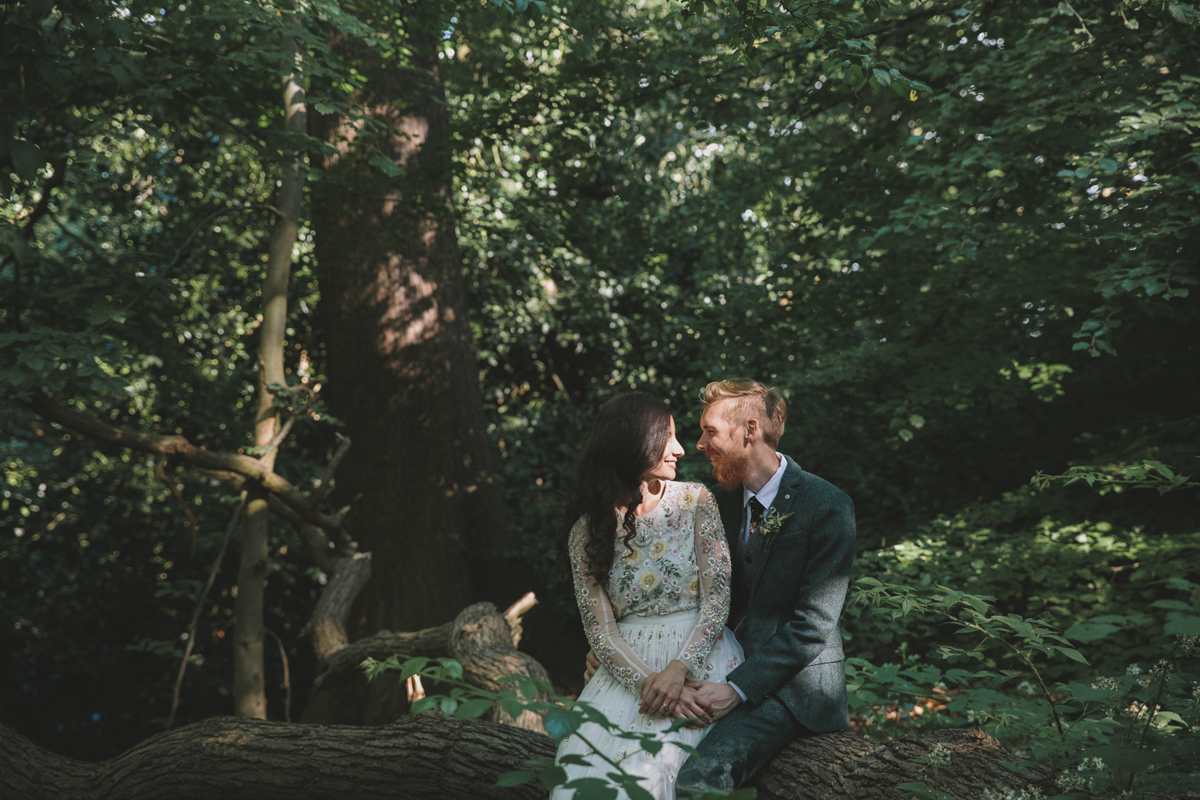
(785, 502)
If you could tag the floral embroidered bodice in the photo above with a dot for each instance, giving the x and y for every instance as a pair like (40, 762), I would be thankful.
(680, 561)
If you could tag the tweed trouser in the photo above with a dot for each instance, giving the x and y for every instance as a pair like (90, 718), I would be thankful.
(737, 747)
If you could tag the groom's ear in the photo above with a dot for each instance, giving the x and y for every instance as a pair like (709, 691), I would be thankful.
(753, 430)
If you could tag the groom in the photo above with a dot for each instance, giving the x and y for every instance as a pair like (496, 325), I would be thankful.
(791, 537)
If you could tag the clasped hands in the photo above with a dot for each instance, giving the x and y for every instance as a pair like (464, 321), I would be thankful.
(669, 693)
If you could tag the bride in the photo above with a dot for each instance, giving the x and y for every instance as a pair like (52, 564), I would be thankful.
(652, 578)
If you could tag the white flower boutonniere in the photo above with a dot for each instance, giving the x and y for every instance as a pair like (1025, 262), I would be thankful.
(772, 523)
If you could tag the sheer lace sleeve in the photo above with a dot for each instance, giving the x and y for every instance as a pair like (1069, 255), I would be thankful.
(599, 622)
(715, 577)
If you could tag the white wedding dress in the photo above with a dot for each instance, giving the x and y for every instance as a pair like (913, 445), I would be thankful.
(668, 599)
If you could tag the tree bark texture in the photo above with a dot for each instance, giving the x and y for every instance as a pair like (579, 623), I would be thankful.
(249, 686)
(231, 758)
(327, 626)
(434, 758)
(402, 370)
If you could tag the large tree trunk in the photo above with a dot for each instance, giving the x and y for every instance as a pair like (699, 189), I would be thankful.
(433, 758)
(402, 372)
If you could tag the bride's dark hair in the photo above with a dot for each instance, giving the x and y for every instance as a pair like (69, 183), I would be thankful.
(628, 438)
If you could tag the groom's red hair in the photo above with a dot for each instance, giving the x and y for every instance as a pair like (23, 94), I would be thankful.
(751, 400)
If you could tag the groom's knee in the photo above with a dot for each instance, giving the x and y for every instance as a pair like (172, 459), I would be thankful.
(700, 775)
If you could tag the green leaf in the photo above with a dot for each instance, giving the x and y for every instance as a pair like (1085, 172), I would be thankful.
(412, 666)
(386, 166)
(975, 603)
(561, 723)
(27, 159)
(591, 789)
(1183, 624)
(453, 668)
(474, 708)
(103, 311)
(574, 759)
(121, 28)
(1174, 605)
(636, 792)
(1074, 655)
(424, 704)
(552, 776)
(515, 778)
(1090, 631)
(512, 706)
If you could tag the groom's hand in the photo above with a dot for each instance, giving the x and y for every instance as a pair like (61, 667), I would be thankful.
(690, 706)
(721, 698)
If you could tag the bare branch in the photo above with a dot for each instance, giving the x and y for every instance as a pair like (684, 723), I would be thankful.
(328, 623)
(266, 457)
(180, 447)
(160, 473)
(327, 476)
(287, 677)
(516, 611)
(212, 577)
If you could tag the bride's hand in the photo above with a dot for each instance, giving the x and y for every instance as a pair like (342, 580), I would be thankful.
(661, 690)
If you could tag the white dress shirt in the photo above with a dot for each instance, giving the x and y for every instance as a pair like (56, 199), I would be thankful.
(765, 495)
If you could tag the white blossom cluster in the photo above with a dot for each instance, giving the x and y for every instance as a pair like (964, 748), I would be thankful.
(1081, 779)
(1013, 794)
(939, 756)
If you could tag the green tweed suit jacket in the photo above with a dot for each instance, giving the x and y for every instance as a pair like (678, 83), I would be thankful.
(787, 621)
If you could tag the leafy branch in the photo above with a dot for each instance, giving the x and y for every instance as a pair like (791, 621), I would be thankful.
(973, 614)
(1143, 474)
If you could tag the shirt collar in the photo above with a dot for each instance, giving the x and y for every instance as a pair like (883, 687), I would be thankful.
(766, 495)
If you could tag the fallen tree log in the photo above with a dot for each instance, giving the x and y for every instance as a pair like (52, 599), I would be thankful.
(429, 757)
(480, 638)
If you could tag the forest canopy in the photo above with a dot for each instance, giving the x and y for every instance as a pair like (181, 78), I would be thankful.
(960, 237)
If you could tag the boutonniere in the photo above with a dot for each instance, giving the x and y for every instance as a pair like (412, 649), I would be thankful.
(772, 523)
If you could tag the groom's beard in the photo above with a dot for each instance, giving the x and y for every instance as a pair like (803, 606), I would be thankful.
(730, 469)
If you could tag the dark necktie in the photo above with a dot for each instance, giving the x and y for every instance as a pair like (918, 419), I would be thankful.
(756, 515)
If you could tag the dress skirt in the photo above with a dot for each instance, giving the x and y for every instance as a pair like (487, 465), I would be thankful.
(655, 640)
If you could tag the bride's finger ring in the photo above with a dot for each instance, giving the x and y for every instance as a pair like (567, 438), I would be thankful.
(666, 706)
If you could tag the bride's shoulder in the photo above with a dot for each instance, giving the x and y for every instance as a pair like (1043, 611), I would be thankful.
(579, 533)
(689, 495)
